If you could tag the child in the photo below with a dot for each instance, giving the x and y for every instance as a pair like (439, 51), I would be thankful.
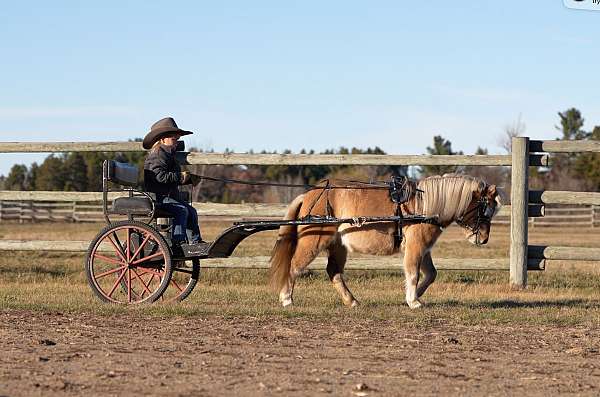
(162, 176)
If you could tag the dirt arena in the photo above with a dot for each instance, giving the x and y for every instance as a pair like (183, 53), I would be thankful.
(59, 354)
(475, 336)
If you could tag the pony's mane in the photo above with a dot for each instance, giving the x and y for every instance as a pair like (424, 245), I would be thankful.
(447, 196)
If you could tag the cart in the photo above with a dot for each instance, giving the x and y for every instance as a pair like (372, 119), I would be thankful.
(132, 261)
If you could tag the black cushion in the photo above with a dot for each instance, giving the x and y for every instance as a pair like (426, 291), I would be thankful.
(132, 205)
(138, 206)
(121, 173)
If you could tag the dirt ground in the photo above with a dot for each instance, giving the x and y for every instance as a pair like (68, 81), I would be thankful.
(75, 354)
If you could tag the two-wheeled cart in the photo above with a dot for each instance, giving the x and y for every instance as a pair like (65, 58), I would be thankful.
(134, 261)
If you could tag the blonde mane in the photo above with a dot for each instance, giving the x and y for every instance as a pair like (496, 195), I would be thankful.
(447, 196)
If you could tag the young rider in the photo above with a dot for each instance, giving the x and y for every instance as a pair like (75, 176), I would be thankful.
(163, 175)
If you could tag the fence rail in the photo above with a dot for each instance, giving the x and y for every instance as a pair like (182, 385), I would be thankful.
(186, 158)
(262, 262)
(88, 211)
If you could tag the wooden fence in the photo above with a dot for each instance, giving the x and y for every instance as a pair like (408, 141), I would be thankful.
(526, 205)
(34, 211)
(525, 202)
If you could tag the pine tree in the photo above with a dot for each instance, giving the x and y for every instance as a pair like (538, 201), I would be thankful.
(75, 173)
(17, 178)
(441, 146)
(51, 174)
(587, 165)
(571, 123)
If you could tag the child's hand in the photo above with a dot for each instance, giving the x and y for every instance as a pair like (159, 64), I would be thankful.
(186, 178)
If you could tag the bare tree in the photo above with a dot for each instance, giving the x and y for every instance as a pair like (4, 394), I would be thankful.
(516, 128)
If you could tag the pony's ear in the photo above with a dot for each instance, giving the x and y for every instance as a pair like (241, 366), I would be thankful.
(501, 196)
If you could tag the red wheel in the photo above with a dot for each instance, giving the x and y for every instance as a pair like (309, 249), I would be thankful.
(183, 280)
(128, 262)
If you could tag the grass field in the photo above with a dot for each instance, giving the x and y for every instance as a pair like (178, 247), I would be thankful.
(566, 293)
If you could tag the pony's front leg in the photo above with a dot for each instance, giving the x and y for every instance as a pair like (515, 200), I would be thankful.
(412, 262)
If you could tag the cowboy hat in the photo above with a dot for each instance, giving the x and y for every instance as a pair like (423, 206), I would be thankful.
(160, 129)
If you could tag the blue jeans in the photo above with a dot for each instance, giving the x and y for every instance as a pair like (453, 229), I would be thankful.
(185, 221)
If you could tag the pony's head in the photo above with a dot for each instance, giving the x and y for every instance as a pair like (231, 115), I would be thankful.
(463, 199)
(477, 219)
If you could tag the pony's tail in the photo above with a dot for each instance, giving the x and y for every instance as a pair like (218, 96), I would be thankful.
(285, 246)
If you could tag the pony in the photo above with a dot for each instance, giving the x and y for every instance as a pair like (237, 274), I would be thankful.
(466, 200)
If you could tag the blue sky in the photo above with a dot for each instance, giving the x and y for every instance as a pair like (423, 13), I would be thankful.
(279, 75)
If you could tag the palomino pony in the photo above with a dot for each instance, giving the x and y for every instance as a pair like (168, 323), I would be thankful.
(452, 198)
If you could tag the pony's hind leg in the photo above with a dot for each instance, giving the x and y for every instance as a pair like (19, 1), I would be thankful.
(299, 262)
(311, 241)
(429, 274)
(285, 295)
(335, 269)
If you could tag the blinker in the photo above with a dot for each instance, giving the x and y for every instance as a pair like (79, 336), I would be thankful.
(489, 212)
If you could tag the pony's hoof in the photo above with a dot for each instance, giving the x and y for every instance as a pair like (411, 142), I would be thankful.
(415, 304)
(287, 302)
(354, 303)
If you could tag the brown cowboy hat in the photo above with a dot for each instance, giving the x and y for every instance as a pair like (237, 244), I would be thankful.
(160, 129)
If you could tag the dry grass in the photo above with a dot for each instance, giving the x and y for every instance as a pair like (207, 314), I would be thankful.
(567, 293)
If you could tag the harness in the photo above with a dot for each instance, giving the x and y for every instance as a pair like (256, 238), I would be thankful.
(401, 190)
(484, 216)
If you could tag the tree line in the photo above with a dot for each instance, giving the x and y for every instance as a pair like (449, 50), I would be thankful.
(82, 171)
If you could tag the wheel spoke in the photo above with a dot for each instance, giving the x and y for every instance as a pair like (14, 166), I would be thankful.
(176, 285)
(149, 282)
(153, 272)
(147, 258)
(143, 283)
(116, 283)
(109, 260)
(128, 252)
(142, 245)
(109, 272)
(118, 240)
(128, 282)
(118, 250)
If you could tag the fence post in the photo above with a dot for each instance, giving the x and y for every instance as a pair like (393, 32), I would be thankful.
(519, 200)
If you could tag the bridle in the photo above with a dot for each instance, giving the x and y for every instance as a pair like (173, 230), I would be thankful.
(484, 217)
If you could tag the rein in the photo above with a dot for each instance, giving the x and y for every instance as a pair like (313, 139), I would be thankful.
(367, 185)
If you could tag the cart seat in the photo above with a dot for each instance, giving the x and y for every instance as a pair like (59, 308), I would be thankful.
(132, 206)
(138, 206)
